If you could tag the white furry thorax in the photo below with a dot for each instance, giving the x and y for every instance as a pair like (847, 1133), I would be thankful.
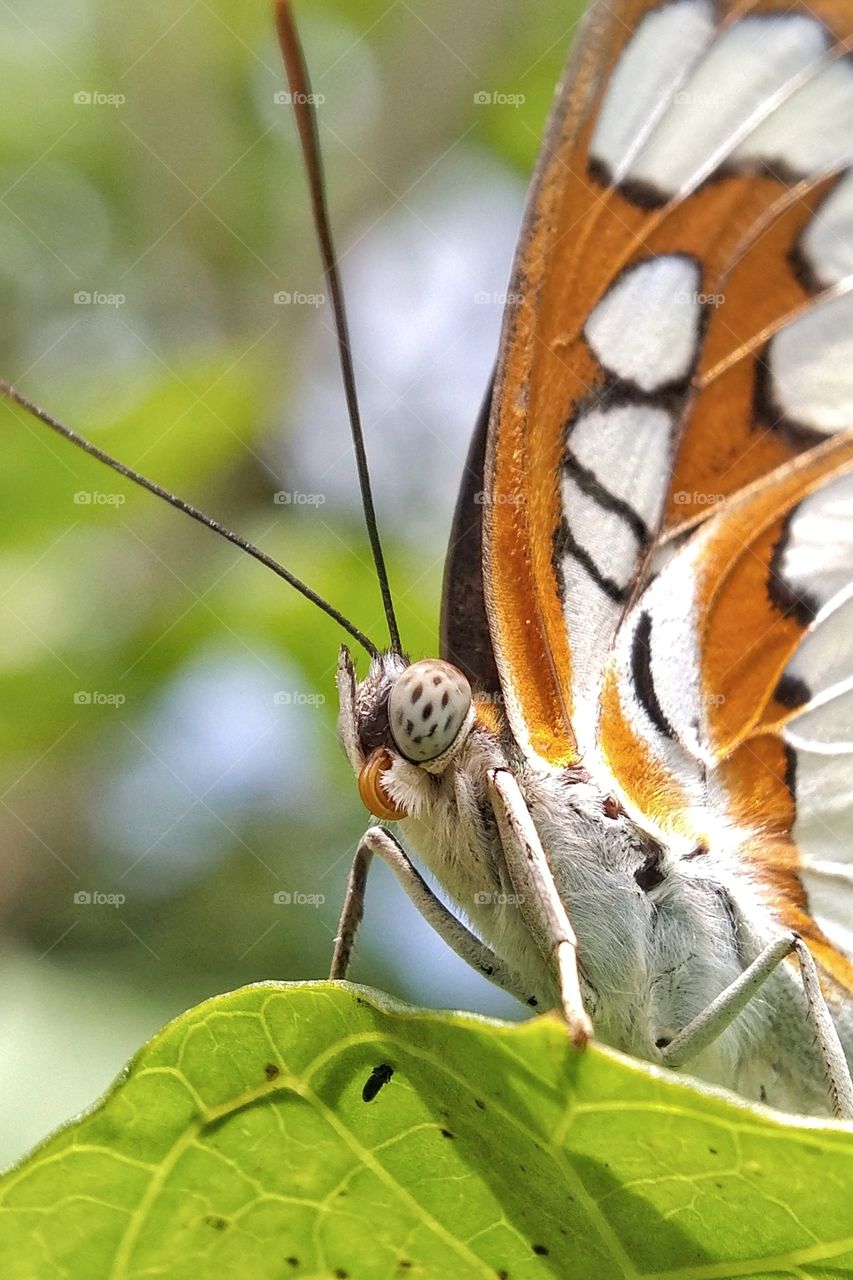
(661, 930)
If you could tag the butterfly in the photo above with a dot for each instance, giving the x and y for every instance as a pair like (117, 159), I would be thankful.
(629, 764)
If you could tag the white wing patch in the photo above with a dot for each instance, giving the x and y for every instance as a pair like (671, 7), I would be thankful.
(814, 563)
(826, 245)
(810, 132)
(811, 367)
(687, 98)
(665, 45)
(645, 329)
(613, 484)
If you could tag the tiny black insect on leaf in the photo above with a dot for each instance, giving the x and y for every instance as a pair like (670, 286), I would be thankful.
(378, 1077)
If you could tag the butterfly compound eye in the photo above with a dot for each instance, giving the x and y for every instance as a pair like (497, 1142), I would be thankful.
(427, 709)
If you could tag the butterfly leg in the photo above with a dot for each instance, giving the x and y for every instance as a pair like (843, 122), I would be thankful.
(539, 902)
(376, 840)
(704, 1029)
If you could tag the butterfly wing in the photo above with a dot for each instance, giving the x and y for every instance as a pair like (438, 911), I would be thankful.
(727, 704)
(679, 322)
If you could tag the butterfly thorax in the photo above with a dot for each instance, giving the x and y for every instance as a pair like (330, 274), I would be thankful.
(660, 929)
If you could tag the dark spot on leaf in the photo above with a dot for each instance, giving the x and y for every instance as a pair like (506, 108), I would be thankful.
(713, 1150)
(218, 1224)
(404, 1264)
(340, 1274)
(377, 1079)
(271, 1071)
(292, 1262)
(502, 1275)
(479, 1102)
(445, 1133)
(541, 1250)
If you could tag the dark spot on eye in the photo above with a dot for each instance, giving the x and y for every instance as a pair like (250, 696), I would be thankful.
(650, 873)
(400, 717)
(410, 727)
(218, 1224)
(541, 1250)
(436, 680)
(663, 1041)
(445, 698)
(533, 1002)
(417, 691)
(762, 1094)
(271, 1071)
(448, 722)
(611, 806)
(427, 711)
(445, 1133)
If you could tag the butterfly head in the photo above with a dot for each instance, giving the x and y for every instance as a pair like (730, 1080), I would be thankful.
(409, 717)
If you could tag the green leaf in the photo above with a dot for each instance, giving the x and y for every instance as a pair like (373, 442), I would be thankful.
(238, 1144)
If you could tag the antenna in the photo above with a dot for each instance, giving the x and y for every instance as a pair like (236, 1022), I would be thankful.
(12, 393)
(306, 124)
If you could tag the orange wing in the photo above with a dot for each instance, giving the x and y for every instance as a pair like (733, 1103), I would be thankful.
(679, 324)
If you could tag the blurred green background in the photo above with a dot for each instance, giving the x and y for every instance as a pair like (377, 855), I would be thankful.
(168, 760)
